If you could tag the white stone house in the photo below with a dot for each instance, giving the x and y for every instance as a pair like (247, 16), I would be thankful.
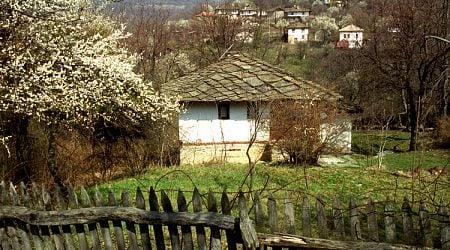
(296, 14)
(297, 32)
(353, 35)
(217, 122)
(227, 10)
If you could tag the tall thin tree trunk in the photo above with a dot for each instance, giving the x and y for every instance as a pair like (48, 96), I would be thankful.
(412, 118)
(22, 148)
(51, 156)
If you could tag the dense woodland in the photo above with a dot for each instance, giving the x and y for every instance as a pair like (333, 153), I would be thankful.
(80, 81)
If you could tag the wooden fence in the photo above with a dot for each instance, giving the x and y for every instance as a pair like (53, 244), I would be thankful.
(33, 218)
(370, 222)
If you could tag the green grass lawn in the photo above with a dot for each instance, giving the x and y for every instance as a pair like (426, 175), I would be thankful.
(359, 181)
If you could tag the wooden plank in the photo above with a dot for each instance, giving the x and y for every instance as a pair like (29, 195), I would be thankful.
(355, 224)
(143, 228)
(66, 230)
(37, 204)
(55, 231)
(372, 224)
(117, 224)
(10, 226)
(131, 230)
(23, 199)
(444, 225)
(425, 226)
(289, 214)
(306, 217)
(226, 209)
(200, 231)
(272, 213)
(3, 226)
(248, 232)
(186, 233)
(85, 201)
(173, 230)
(157, 228)
(215, 241)
(389, 221)
(259, 214)
(408, 233)
(321, 218)
(73, 204)
(45, 230)
(301, 242)
(130, 214)
(338, 218)
(104, 225)
(24, 196)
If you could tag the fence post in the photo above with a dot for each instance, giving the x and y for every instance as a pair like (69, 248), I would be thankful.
(272, 212)
(289, 214)
(389, 221)
(22, 199)
(186, 232)
(73, 203)
(372, 224)
(104, 225)
(321, 218)
(131, 230)
(200, 231)
(143, 228)
(215, 242)
(226, 209)
(338, 218)
(424, 221)
(45, 230)
(444, 225)
(306, 217)
(173, 230)
(407, 222)
(355, 225)
(259, 216)
(157, 229)
(248, 231)
(86, 202)
(10, 228)
(118, 232)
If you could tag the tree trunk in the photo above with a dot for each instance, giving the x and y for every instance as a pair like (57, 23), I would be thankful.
(51, 156)
(413, 119)
(22, 148)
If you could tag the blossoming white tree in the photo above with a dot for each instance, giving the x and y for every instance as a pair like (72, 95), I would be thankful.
(61, 64)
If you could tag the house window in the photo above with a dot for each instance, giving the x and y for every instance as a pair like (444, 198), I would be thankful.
(253, 110)
(223, 111)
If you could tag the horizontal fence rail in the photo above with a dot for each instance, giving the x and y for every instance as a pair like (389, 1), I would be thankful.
(64, 219)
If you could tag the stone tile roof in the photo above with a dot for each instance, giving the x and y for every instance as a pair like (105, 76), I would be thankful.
(351, 28)
(239, 77)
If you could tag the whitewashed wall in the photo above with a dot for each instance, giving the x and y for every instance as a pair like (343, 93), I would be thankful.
(355, 39)
(300, 34)
(199, 124)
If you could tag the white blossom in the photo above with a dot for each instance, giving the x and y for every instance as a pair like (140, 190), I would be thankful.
(61, 61)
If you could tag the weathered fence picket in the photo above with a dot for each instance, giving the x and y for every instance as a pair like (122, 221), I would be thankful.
(98, 201)
(186, 232)
(372, 224)
(338, 218)
(117, 224)
(173, 230)
(143, 228)
(197, 207)
(158, 230)
(215, 242)
(131, 229)
(389, 221)
(321, 218)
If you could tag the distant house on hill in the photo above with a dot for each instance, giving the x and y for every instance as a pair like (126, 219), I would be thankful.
(296, 14)
(297, 32)
(227, 9)
(217, 123)
(353, 35)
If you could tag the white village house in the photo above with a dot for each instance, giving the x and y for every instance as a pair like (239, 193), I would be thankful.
(353, 35)
(216, 124)
(297, 32)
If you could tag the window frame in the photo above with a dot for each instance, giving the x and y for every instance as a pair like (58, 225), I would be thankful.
(220, 110)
